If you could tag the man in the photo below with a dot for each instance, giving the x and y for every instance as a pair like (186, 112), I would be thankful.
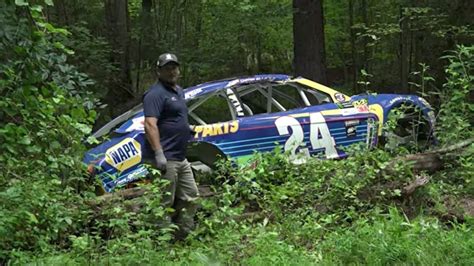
(167, 131)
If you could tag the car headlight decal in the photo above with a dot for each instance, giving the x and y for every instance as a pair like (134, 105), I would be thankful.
(124, 154)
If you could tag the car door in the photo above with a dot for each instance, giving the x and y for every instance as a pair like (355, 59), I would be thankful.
(265, 122)
(300, 122)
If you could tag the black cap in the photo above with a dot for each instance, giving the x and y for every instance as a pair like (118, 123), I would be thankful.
(166, 58)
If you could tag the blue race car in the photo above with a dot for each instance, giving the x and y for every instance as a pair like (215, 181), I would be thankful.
(236, 117)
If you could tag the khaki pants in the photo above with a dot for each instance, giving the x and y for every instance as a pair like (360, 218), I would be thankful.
(180, 194)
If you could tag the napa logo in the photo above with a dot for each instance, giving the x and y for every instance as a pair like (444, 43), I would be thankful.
(124, 155)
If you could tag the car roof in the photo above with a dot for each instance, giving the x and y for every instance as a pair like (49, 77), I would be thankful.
(196, 91)
(212, 86)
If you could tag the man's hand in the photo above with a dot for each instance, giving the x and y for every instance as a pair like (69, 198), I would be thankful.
(160, 160)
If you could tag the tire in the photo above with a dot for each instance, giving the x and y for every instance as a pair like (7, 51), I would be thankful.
(407, 127)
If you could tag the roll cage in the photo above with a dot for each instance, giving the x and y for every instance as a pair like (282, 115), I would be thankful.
(271, 98)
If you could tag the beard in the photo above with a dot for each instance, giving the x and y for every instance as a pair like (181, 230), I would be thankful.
(169, 82)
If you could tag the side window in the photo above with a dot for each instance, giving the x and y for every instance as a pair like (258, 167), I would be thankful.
(316, 97)
(254, 102)
(288, 96)
(118, 121)
(269, 98)
(265, 98)
(209, 110)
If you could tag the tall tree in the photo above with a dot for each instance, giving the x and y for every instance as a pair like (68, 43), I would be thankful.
(144, 43)
(355, 67)
(365, 20)
(308, 35)
(117, 21)
(404, 51)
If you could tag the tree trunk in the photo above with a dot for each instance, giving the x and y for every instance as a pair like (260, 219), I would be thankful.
(411, 59)
(308, 33)
(198, 25)
(156, 9)
(365, 18)
(403, 52)
(355, 67)
(117, 21)
(61, 12)
(144, 47)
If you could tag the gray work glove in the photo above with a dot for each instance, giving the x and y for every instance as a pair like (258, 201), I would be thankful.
(160, 160)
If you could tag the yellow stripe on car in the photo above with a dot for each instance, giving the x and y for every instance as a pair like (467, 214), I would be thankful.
(322, 88)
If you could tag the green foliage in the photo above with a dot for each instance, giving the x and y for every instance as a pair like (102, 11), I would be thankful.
(455, 118)
(44, 115)
(328, 212)
(290, 223)
(91, 56)
(243, 37)
(457, 108)
(394, 239)
(388, 34)
(329, 193)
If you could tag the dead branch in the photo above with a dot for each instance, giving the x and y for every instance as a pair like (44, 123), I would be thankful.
(132, 193)
(418, 182)
(430, 161)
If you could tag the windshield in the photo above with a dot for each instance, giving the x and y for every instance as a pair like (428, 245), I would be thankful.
(118, 120)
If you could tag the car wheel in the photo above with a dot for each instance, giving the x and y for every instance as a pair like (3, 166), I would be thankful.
(406, 127)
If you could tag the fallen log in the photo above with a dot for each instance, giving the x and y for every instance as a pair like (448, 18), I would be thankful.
(135, 192)
(456, 209)
(125, 194)
(430, 161)
(412, 186)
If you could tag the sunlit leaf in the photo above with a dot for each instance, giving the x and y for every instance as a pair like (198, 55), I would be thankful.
(21, 2)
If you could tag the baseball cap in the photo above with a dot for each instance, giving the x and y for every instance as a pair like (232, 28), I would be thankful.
(166, 58)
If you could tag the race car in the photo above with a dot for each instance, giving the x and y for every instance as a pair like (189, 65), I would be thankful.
(235, 118)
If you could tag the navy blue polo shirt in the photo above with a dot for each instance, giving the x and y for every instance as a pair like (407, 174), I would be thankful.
(169, 107)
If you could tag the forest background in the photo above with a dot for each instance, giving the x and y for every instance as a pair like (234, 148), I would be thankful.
(117, 42)
(69, 66)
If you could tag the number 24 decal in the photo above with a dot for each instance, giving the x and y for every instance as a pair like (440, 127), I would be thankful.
(318, 127)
